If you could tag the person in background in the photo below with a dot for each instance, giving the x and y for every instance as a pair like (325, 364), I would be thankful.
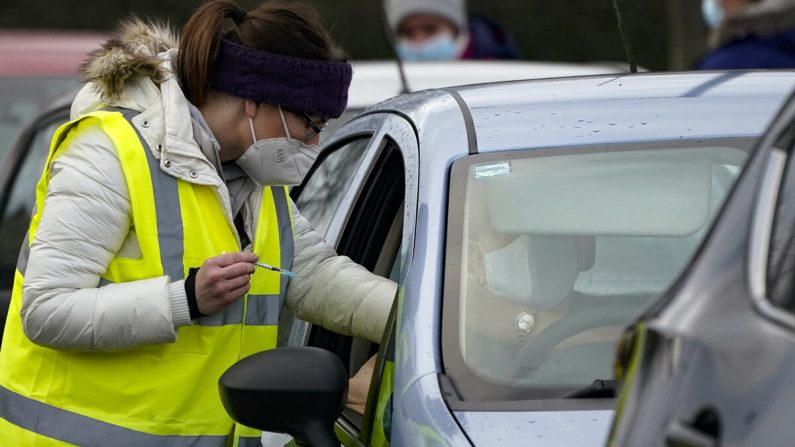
(438, 30)
(164, 242)
(749, 34)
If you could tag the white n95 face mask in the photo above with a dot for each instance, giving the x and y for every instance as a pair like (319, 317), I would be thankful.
(535, 271)
(278, 161)
(508, 271)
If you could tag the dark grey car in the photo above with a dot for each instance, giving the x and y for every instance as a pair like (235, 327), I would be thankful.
(711, 362)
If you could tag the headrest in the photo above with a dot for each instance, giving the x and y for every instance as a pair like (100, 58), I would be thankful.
(533, 270)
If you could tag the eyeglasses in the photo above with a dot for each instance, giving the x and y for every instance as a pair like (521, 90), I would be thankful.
(314, 127)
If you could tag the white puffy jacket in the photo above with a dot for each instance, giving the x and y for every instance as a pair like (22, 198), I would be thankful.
(86, 222)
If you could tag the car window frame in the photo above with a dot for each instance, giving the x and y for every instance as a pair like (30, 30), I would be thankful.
(386, 128)
(369, 222)
(293, 331)
(362, 126)
(777, 150)
(367, 126)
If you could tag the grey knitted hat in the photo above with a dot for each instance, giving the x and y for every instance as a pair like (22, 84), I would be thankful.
(452, 10)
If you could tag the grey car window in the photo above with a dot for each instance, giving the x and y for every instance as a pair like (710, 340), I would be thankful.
(326, 185)
(318, 198)
(559, 249)
(781, 261)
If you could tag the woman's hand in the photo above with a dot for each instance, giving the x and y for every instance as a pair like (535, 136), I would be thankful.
(223, 279)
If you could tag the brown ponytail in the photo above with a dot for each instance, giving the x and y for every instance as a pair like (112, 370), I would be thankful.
(290, 29)
(199, 47)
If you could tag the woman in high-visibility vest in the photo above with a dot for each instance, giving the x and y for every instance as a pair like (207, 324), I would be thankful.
(136, 285)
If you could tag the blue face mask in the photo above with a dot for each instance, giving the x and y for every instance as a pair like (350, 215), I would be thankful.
(439, 48)
(713, 13)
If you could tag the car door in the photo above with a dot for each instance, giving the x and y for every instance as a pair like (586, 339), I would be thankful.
(710, 363)
(20, 171)
(373, 224)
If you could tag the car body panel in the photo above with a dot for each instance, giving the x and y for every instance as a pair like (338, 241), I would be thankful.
(543, 428)
(707, 360)
(421, 416)
(670, 348)
(602, 109)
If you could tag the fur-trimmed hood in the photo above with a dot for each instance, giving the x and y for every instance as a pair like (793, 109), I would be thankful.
(134, 71)
(129, 54)
(764, 19)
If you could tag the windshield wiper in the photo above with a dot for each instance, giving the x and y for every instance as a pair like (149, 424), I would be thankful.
(598, 389)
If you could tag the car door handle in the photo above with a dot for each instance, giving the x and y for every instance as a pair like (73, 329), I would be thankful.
(680, 434)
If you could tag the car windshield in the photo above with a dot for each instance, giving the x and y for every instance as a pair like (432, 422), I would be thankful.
(21, 98)
(551, 252)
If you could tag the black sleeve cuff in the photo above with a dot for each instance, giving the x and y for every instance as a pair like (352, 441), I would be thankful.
(190, 291)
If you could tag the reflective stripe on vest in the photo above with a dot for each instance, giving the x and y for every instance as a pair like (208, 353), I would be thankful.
(156, 394)
(24, 254)
(249, 442)
(74, 428)
(265, 309)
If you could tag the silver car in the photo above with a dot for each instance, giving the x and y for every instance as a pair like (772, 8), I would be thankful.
(526, 223)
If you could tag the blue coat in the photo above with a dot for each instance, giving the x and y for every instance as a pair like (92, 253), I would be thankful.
(489, 40)
(775, 51)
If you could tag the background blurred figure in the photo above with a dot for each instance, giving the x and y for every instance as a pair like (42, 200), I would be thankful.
(750, 34)
(442, 30)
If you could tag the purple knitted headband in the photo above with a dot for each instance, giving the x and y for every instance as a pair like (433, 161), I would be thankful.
(303, 84)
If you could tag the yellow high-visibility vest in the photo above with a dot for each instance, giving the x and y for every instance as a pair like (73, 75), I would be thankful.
(155, 395)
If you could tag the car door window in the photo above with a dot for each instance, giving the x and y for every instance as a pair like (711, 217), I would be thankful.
(319, 195)
(21, 197)
(781, 260)
(317, 198)
(372, 238)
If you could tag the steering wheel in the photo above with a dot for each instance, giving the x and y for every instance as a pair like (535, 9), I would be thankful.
(536, 349)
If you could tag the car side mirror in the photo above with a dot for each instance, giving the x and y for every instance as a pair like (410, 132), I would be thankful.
(300, 391)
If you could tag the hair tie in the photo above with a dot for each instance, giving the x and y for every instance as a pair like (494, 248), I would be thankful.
(239, 15)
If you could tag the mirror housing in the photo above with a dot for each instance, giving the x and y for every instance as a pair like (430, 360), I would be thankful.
(300, 391)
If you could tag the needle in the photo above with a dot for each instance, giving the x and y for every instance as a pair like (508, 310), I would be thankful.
(276, 269)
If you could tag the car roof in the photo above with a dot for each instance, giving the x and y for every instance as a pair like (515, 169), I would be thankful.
(375, 81)
(45, 53)
(604, 109)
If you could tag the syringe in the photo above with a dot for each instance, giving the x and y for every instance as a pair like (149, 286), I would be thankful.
(287, 273)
